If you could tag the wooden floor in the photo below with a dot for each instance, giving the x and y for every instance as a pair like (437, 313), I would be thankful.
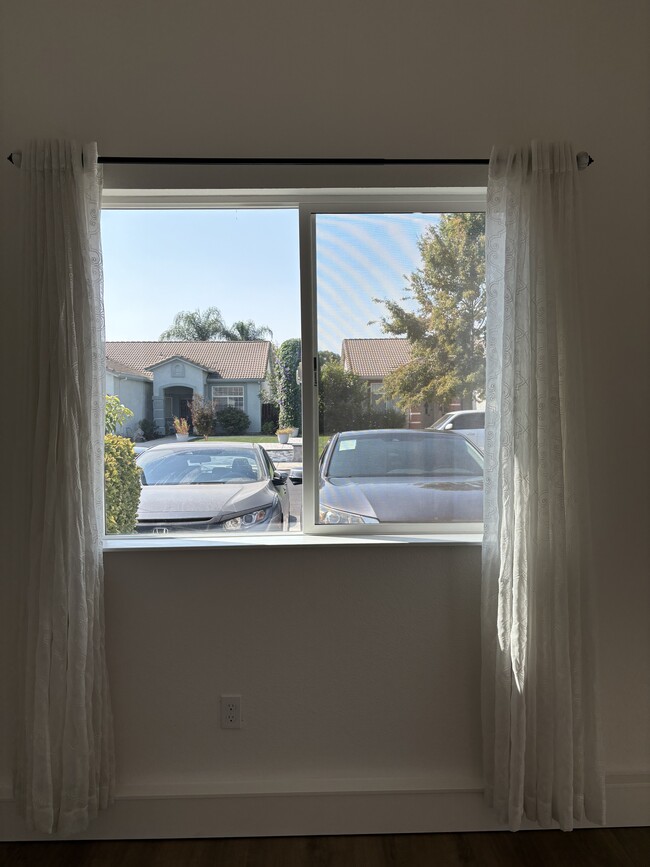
(614, 847)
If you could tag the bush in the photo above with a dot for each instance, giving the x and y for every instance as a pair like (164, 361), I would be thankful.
(233, 421)
(121, 485)
(269, 428)
(202, 413)
(116, 414)
(374, 419)
(149, 429)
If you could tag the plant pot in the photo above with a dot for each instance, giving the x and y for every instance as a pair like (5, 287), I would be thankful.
(283, 438)
(182, 437)
(294, 432)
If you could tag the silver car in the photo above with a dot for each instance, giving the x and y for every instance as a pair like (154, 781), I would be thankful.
(468, 422)
(401, 476)
(219, 486)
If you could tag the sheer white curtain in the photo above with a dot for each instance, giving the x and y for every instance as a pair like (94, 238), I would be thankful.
(540, 717)
(64, 760)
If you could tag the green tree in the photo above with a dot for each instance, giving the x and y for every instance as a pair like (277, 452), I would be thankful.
(288, 390)
(343, 399)
(445, 319)
(196, 325)
(247, 330)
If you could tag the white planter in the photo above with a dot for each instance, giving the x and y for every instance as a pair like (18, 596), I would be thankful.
(283, 438)
(182, 437)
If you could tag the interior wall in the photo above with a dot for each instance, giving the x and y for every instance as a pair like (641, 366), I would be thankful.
(353, 664)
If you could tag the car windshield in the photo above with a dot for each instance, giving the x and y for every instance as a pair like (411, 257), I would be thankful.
(403, 454)
(199, 467)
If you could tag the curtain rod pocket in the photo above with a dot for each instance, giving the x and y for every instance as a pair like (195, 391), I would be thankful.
(583, 160)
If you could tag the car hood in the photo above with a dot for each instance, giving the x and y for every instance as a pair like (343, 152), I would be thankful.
(178, 502)
(407, 500)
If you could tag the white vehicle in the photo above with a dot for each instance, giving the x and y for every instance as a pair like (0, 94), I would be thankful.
(469, 422)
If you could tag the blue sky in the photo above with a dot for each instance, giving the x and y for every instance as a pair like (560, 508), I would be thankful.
(245, 262)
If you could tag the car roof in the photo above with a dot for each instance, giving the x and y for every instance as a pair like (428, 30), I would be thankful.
(201, 444)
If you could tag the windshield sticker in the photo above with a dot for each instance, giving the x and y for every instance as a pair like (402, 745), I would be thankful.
(346, 445)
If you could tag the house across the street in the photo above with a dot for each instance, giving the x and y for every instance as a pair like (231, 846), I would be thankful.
(156, 380)
(372, 359)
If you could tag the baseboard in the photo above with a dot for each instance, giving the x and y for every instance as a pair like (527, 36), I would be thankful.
(353, 809)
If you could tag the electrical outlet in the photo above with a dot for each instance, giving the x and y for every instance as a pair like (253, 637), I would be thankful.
(230, 711)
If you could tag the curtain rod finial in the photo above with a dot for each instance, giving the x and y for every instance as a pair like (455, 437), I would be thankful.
(584, 160)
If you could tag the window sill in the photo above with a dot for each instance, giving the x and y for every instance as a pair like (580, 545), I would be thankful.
(286, 541)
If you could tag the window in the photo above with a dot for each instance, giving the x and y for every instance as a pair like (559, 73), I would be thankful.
(227, 395)
(357, 309)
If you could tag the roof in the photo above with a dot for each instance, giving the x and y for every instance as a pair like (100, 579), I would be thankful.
(114, 366)
(374, 357)
(229, 359)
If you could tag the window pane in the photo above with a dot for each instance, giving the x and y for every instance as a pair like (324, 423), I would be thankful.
(401, 341)
(195, 324)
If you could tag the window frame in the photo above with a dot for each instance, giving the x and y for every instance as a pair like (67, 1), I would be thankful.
(228, 396)
(309, 203)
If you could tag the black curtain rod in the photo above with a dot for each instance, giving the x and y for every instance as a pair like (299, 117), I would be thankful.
(583, 159)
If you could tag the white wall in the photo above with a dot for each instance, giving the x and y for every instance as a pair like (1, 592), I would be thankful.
(364, 664)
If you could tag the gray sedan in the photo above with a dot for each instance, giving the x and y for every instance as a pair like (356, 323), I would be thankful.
(220, 486)
(405, 476)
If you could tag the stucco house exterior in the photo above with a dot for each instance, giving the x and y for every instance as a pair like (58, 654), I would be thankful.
(372, 359)
(157, 379)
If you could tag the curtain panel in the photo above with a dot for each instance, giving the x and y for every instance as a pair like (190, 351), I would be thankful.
(541, 736)
(64, 761)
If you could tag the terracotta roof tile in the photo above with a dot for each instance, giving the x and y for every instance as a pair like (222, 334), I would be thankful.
(375, 357)
(230, 359)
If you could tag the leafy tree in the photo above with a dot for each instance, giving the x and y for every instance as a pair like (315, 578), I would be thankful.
(345, 403)
(343, 397)
(247, 330)
(325, 356)
(447, 328)
(196, 325)
(116, 414)
(202, 414)
(288, 390)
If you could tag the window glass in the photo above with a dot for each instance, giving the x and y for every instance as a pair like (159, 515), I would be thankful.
(400, 315)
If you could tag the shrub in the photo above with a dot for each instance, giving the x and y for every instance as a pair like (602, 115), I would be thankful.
(116, 413)
(121, 485)
(233, 420)
(269, 428)
(374, 419)
(181, 426)
(149, 429)
(202, 413)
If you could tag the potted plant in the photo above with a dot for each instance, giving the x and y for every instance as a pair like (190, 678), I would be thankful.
(283, 434)
(182, 428)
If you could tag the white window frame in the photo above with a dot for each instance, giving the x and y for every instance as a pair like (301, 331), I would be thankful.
(310, 203)
(241, 396)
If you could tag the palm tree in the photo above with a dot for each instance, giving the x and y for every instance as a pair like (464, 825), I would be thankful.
(195, 325)
(248, 330)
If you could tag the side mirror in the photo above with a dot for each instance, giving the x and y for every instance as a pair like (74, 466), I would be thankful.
(279, 478)
(295, 476)
(449, 426)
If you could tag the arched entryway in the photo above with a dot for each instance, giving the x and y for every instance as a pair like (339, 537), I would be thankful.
(176, 400)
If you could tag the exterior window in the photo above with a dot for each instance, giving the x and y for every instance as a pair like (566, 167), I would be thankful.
(227, 395)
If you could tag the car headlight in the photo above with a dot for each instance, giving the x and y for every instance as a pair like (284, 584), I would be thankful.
(333, 516)
(245, 522)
